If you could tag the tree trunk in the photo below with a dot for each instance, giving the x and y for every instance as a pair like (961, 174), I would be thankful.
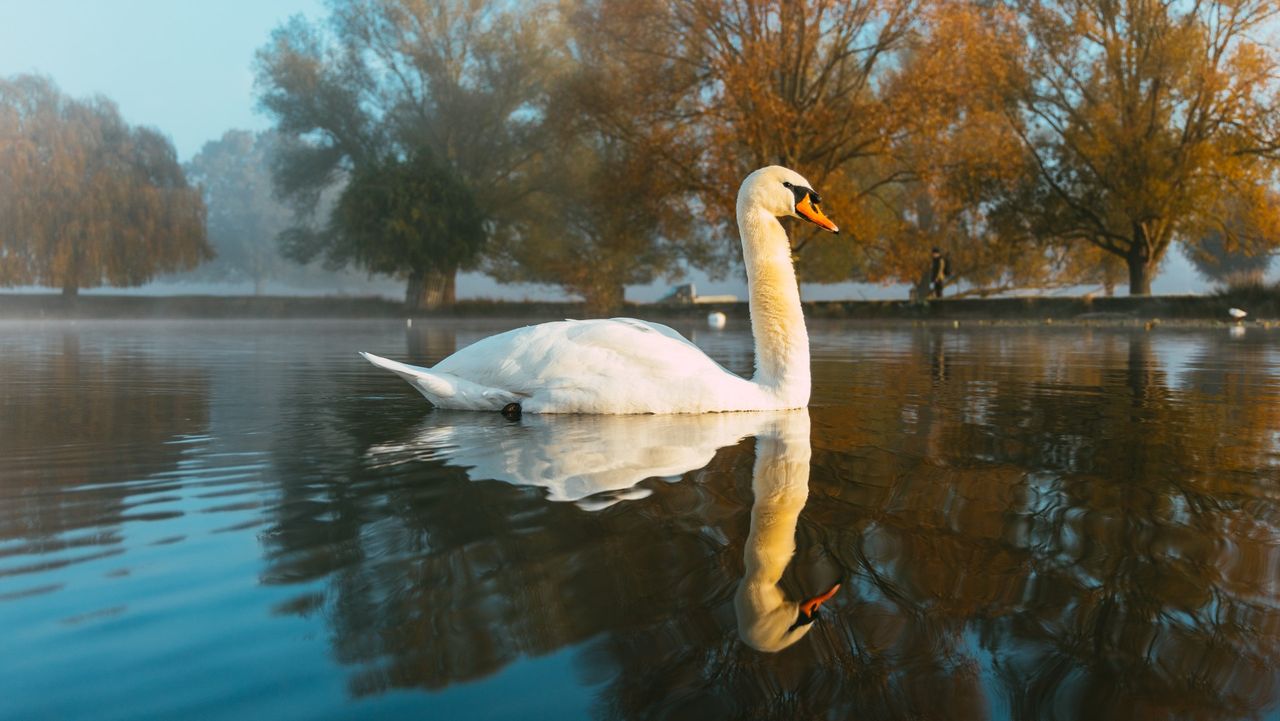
(605, 299)
(1139, 260)
(70, 288)
(431, 290)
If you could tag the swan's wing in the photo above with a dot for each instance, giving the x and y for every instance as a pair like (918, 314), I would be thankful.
(650, 345)
(645, 326)
(619, 365)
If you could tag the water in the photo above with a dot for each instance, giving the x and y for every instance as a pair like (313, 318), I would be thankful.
(245, 520)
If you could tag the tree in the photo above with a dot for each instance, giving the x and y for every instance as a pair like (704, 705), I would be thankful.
(1236, 255)
(603, 218)
(1230, 265)
(951, 94)
(737, 86)
(408, 217)
(86, 199)
(243, 217)
(459, 79)
(1146, 122)
(605, 211)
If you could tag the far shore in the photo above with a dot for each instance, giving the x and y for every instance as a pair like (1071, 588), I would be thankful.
(1262, 306)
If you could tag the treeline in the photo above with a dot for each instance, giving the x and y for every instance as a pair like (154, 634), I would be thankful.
(593, 144)
(86, 199)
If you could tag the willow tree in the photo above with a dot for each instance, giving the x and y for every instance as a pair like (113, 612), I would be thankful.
(461, 80)
(85, 199)
(1149, 121)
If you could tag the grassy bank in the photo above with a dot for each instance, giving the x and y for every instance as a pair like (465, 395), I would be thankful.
(1261, 305)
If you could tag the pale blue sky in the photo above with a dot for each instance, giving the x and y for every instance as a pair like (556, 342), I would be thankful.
(182, 67)
(186, 69)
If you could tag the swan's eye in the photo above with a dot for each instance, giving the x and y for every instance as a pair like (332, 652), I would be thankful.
(785, 184)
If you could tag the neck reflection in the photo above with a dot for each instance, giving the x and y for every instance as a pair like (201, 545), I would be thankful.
(767, 620)
(597, 461)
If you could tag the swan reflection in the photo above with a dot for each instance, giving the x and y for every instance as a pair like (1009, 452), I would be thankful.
(597, 461)
(593, 461)
(767, 621)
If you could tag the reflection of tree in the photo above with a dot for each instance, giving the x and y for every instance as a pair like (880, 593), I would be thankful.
(90, 420)
(429, 343)
(1039, 515)
(435, 579)
(1124, 561)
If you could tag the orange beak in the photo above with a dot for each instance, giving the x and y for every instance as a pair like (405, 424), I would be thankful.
(810, 606)
(810, 212)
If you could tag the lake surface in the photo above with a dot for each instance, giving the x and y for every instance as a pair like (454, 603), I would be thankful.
(232, 520)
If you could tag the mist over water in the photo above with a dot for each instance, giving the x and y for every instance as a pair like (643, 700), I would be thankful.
(203, 518)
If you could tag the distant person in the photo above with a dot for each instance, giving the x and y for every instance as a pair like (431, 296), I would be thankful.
(938, 271)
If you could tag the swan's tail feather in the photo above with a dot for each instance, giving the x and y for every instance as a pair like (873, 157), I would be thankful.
(446, 390)
(432, 385)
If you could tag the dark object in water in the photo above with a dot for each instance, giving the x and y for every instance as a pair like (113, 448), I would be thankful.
(511, 411)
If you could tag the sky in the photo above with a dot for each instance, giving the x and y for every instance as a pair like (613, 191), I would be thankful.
(186, 68)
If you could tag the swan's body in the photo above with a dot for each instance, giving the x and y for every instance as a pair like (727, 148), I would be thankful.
(624, 365)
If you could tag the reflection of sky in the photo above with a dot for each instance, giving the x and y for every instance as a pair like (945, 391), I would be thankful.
(1175, 355)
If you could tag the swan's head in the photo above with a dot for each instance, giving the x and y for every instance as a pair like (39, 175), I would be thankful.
(767, 622)
(784, 192)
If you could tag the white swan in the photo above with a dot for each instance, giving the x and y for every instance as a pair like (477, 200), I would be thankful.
(767, 621)
(624, 365)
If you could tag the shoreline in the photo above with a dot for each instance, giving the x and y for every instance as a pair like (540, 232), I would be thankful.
(1261, 305)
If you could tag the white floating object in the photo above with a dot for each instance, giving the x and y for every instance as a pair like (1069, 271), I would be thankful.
(1236, 313)
(716, 319)
(408, 322)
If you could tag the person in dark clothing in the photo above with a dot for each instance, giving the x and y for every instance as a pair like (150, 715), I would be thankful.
(938, 272)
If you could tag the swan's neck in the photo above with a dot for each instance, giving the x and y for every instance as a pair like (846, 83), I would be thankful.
(780, 486)
(777, 322)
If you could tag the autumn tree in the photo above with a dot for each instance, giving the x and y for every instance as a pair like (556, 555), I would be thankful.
(460, 80)
(951, 96)
(603, 218)
(747, 84)
(605, 210)
(1147, 122)
(85, 198)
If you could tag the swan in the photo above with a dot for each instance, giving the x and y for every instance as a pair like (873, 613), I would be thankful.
(767, 621)
(624, 365)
